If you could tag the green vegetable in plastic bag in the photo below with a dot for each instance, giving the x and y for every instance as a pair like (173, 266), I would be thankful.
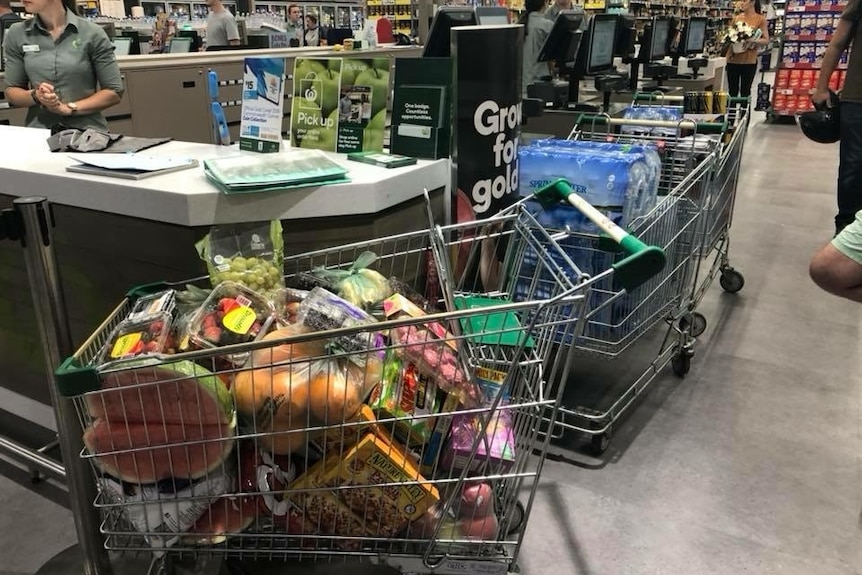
(251, 254)
(359, 285)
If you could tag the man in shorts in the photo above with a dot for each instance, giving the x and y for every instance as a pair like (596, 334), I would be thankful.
(837, 267)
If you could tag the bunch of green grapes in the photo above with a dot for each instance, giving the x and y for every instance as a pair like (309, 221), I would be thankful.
(259, 274)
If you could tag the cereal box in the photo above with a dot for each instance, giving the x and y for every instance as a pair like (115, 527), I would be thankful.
(824, 24)
(348, 508)
(820, 51)
(812, 3)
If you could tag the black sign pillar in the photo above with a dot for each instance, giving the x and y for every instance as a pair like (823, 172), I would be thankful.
(487, 64)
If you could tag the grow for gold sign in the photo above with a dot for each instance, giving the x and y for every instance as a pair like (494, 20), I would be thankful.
(487, 107)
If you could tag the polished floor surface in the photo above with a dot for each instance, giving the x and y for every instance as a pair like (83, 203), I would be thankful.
(751, 464)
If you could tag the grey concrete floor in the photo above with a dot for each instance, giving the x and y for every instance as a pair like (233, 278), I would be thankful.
(751, 464)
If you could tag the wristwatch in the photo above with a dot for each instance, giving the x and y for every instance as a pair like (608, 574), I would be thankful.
(73, 107)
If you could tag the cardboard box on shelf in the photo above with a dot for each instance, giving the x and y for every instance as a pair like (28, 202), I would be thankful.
(793, 24)
(795, 79)
(790, 53)
(808, 26)
(780, 102)
(808, 79)
(782, 78)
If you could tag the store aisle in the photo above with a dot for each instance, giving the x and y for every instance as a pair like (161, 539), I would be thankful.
(749, 465)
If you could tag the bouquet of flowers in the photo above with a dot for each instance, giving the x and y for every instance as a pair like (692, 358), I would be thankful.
(738, 36)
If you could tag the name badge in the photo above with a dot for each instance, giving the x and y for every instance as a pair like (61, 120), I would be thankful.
(31, 47)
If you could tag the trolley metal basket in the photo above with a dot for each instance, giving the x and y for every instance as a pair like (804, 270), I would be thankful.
(618, 318)
(280, 467)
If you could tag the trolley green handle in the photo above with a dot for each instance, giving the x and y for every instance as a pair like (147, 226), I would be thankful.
(642, 262)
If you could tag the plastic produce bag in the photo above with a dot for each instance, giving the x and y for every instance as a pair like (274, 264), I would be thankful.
(250, 254)
(359, 285)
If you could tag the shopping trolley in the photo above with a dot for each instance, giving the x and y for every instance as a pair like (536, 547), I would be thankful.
(713, 257)
(265, 449)
(619, 318)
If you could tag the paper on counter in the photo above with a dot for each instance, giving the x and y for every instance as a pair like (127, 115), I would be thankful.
(138, 162)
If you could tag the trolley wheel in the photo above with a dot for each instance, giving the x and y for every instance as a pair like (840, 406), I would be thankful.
(681, 364)
(731, 280)
(35, 476)
(519, 514)
(694, 323)
(600, 443)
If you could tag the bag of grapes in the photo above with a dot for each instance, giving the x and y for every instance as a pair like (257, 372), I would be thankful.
(251, 254)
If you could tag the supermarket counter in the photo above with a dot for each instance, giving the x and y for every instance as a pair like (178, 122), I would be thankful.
(112, 234)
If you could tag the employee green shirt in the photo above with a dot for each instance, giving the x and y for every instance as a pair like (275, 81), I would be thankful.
(77, 64)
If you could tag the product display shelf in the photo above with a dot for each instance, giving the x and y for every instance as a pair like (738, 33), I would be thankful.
(403, 14)
(807, 27)
(643, 10)
(349, 14)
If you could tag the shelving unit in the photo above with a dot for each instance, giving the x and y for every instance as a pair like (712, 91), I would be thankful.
(807, 28)
(404, 14)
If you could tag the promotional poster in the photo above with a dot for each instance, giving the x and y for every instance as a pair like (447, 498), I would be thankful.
(487, 98)
(262, 105)
(339, 104)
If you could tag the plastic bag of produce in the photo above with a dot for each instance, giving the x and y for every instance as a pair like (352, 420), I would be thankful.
(359, 285)
(251, 254)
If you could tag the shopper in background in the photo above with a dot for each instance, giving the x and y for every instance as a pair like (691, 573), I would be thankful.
(850, 154)
(554, 10)
(221, 26)
(7, 17)
(294, 22)
(536, 30)
(62, 67)
(312, 31)
(837, 267)
(742, 66)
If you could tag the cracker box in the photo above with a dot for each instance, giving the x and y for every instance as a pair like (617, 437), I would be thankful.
(820, 51)
(808, 24)
(795, 78)
(793, 24)
(824, 24)
(780, 102)
(808, 79)
(790, 53)
(353, 510)
(782, 78)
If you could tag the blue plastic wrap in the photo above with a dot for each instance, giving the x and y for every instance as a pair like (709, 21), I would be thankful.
(619, 184)
(658, 113)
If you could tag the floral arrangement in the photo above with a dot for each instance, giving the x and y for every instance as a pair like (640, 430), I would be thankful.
(738, 35)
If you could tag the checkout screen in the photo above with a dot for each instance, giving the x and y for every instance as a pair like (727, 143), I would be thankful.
(696, 36)
(602, 48)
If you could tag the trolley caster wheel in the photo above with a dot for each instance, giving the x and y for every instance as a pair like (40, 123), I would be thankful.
(516, 522)
(694, 323)
(600, 443)
(731, 280)
(681, 364)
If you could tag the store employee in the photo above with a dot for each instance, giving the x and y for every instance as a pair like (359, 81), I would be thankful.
(61, 67)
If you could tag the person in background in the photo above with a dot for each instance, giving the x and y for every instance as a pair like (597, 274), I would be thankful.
(837, 267)
(221, 26)
(536, 30)
(312, 31)
(61, 67)
(850, 151)
(294, 22)
(742, 66)
(552, 12)
(7, 16)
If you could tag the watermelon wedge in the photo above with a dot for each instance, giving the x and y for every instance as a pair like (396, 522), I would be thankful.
(144, 453)
(178, 393)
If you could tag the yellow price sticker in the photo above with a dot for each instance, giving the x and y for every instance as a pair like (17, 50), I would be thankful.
(594, 5)
(239, 320)
(125, 344)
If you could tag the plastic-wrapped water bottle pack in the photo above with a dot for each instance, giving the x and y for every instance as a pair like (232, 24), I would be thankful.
(658, 113)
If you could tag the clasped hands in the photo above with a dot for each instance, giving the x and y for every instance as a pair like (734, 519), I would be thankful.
(45, 95)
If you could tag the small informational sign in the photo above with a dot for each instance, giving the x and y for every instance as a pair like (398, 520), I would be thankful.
(314, 110)
(262, 105)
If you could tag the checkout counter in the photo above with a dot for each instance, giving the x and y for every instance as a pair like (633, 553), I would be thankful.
(112, 234)
(166, 94)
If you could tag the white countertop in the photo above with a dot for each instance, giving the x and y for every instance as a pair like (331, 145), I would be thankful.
(28, 168)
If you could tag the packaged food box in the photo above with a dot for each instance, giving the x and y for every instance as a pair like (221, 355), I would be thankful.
(793, 24)
(780, 102)
(790, 53)
(807, 79)
(232, 314)
(824, 24)
(496, 450)
(782, 78)
(808, 24)
(409, 395)
(434, 447)
(347, 508)
(147, 335)
(820, 51)
(397, 306)
(794, 78)
(812, 3)
(335, 440)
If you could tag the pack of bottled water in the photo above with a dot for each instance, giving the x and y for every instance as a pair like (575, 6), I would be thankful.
(619, 180)
(657, 113)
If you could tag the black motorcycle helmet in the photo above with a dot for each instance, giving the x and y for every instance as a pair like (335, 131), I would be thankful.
(823, 125)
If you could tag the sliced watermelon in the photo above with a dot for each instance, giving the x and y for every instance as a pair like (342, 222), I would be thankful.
(178, 393)
(146, 453)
